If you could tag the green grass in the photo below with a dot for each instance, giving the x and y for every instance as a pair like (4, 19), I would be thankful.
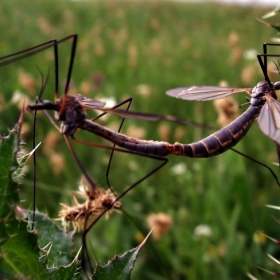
(160, 45)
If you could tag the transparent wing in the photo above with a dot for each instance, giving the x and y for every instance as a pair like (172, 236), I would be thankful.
(89, 103)
(204, 93)
(98, 105)
(269, 119)
(153, 117)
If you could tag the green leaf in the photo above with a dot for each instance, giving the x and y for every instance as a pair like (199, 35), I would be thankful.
(275, 26)
(19, 250)
(272, 13)
(120, 266)
(20, 253)
(57, 243)
(57, 247)
(9, 147)
(22, 159)
(71, 271)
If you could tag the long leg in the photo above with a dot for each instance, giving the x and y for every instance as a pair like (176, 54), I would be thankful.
(35, 160)
(92, 184)
(70, 68)
(112, 153)
(8, 59)
(54, 44)
(263, 65)
(129, 100)
(265, 55)
(11, 58)
(163, 162)
(87, 228)
(122, 140)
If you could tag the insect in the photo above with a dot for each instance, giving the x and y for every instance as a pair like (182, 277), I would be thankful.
(74, 119)
(98, 202)
(70, 110)
(216, 143)
(263, 105)
(84, 103)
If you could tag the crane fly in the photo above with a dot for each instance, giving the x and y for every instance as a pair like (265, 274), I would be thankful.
(77, 103)
(263, 103)
(89, 212)
(98, 201)
(70, 110)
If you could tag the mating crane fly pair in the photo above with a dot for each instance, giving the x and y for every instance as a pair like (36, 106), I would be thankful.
(263, 105)
(70, 110)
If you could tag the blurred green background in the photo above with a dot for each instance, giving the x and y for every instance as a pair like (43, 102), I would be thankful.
(140, 49)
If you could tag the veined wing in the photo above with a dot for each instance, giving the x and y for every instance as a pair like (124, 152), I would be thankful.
(204, 93)
(152, 117)
(269, 119)
(89, 103)
(98, 105)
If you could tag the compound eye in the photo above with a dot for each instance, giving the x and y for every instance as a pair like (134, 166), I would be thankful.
(277, 85)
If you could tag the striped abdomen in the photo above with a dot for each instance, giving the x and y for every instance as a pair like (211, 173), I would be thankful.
(220, 141)
(212, 145)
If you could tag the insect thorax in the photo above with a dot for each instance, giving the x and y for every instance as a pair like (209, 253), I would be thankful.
(71, 115)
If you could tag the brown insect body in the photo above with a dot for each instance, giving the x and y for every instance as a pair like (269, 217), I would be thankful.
(215, 144)
(73, 117)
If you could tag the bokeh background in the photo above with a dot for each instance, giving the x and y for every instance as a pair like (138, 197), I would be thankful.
(212, 209)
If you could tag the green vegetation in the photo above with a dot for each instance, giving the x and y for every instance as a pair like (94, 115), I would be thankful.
(140, 50)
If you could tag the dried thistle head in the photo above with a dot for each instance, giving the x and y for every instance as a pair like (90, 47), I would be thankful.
(227, 109)
(76, 215)
(233, 39)
(82, 215)
(136, 132)
(133, 55)
(27, 81)
(272, 71)
(51, 142)
(160, 223)
(164, 132)
(58, 163)
(248, 74)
